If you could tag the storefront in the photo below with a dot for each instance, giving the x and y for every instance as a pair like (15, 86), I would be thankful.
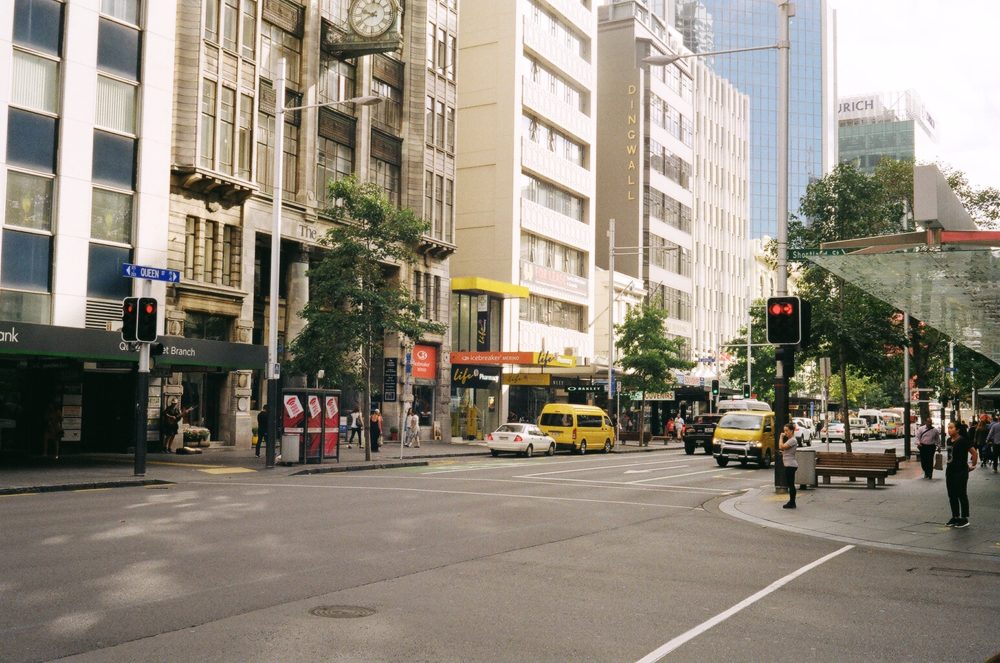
(71, 390)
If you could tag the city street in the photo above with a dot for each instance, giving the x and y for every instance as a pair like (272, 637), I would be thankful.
(625, 557)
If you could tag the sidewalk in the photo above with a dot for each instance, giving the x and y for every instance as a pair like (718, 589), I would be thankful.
(909, 513)
(90, 471)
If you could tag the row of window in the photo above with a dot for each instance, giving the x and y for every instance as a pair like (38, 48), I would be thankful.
(439, 205)
(553, 313)
(552, 197)
(669, 256)
(233, 25)
(212, 252)
(441, 50)
(676, 303)
(427, 291)
(563, 36)
(545, 252)
(558, 86)
(554, 140)
(675, 80)
(668, 164)
(667, 117)
(439, 124)
(672, 212)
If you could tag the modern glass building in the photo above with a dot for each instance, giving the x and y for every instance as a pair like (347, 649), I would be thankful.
(812, 128)
(892, 125)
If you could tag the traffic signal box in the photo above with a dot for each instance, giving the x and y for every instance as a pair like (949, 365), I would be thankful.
(147, 321)
(746, 391)
(715, 387)
(784, 320)
(130, 317)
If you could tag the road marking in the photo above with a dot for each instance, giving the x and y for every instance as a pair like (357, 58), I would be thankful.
(674, 476)
(90, 490)
(663, 650)
(555, 482)
(226, 470)
(605, 467)
(459, 492)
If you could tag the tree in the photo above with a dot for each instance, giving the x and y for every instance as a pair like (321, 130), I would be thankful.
(982, 204)
(762, 366)
(355, 296)
(647, 357)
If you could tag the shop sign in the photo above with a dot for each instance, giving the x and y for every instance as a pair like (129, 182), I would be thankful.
(475, 377)
(425, 362)
(586, 388)
(528, 379)
(390, 377)
(663, 396)
(517, 358)
(546, 277)
(483, 323)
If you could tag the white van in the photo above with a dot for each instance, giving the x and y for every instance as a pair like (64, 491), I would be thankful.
(743, 404)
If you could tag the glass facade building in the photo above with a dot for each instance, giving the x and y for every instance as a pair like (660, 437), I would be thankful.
(811, 138)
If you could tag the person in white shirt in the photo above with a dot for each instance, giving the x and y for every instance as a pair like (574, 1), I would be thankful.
(928, 439)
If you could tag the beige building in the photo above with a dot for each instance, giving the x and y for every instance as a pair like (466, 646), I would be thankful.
(525, 223)
(221, 178)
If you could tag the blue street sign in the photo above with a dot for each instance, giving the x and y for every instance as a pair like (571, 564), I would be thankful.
(152, 273)
(951, 369)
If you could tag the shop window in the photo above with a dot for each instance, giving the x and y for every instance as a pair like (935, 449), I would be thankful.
(207, 326)
(114, 160)
(118, 48)
(27, 261)
(423, 403)
(35, 82)
(111, 216)
(31, 140)
(104, 272)
(29, 201)
(38, 24)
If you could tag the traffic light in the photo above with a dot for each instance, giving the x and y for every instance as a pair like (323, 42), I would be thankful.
(130, 316)
(715, 387)
(786, 354)
(746, 391)
(145, 328)
(784, 320)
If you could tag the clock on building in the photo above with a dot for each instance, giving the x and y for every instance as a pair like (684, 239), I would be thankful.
(372, 18)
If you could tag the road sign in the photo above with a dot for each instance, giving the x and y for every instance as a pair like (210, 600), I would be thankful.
(951, 369)
(152, 273)
(803, 254)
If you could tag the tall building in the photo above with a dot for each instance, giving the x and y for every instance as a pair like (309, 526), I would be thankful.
(524, 271)
(891, 125)
(812, 126)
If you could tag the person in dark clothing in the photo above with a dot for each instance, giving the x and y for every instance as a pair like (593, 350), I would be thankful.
(788, 443)
(927, 443)
(980, 432)
(262, 428)
(957, 475)
(375, 429)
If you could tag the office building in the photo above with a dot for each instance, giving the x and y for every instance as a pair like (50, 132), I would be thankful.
(892, 125)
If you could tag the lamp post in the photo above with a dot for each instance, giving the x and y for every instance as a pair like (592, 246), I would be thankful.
(273, 366)
(786, 9)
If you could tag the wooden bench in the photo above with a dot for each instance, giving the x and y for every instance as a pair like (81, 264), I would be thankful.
(874, 468)
(633, 436)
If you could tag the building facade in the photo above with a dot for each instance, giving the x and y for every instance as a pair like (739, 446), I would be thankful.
(525, 207)
(891, 125)
(812, 90)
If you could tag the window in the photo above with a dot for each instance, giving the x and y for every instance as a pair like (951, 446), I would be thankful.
(230, 23)
(123, 10)
(104, 272)
(552, 197)
(384, 166)
(111, 216)
(227, 127)
(333, 162)
(29, 201)
(114, 160)
(35, 82)
(336, 79)
(27, 261)
(439, 127)
(449, 206)
(387, 176)
(115, 105)
(208, 123)
(118, 48)
(390, 112)
(212, 21)
(207, 326)
(38, 24)
(275, 44)
(248, 38)
(25, 307)
(245, 136)
(553, 313)
(450, 128)
(31, 140)
(429, 121)
(265, 151)
(553, 140)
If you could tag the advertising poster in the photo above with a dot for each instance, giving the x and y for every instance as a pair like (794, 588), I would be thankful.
(314, 426)
(331, 414)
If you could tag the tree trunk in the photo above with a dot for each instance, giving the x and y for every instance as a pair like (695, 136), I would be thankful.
(642, 417)
(367, 412)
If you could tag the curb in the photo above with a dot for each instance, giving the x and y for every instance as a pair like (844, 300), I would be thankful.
(357, 468)
(85, 485)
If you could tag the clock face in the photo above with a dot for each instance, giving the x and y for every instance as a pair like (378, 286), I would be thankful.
(370, 18)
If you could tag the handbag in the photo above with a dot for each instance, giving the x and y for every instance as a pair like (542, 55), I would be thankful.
(938, 461)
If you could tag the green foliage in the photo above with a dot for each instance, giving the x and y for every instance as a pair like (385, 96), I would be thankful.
(982, 204)
(762, 366)
(355, 294)
(647, 357)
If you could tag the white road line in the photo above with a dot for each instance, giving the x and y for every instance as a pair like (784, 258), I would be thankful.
(674, 476)
(453, 492)
(658, 653)
(607, 467)
(556, 481)
(598, 482)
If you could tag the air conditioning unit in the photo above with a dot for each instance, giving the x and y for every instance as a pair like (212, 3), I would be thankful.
(570, 351)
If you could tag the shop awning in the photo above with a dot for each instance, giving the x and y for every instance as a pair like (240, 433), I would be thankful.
(482, 286)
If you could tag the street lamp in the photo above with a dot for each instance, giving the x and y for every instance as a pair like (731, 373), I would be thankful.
(273, 367)
(786, 9)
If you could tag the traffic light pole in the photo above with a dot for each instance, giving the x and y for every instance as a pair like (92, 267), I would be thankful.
(780, 418)
(141, 399)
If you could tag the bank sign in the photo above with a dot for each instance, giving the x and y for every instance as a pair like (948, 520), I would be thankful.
(853, 108)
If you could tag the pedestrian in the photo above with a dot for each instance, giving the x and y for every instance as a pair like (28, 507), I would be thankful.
(413, 429)
(980, 432)
(375, 429)
(262, 429)
(993, 441)
(928, 439)
(787, 443)
(957, 475)
(679, 426)
(172, 416)
(669, 430)
(355, 427)
(512, 417)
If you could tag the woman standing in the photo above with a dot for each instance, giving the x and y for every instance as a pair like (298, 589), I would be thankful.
(375, 429)
(982, 430)
(787, 443)
(957, 475)
(412, 429)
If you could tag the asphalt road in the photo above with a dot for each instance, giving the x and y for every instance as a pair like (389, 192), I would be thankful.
(595, 558)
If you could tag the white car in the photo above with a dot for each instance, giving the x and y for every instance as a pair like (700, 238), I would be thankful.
(804, 430)
(524, 439)
(859, 431)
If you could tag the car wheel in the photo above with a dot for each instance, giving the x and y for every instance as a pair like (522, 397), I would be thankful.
(494, 452)
(722, 461)
(765, 461)
(529, 452)
(607, 446)
(583, 447)
(552, 450)
(689, 448)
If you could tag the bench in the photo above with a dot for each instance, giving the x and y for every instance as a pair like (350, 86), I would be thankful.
(633, 436)
(874, 468)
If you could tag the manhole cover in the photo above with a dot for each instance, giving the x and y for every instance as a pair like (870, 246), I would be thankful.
(341, 611)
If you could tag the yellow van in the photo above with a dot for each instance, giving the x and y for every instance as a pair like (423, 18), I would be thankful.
(746, 436)
(578, 428)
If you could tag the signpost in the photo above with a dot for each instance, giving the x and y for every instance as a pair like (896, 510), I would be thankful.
(804, 254)
(151, 273)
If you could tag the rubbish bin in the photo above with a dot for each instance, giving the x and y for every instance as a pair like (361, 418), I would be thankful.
(805, 475)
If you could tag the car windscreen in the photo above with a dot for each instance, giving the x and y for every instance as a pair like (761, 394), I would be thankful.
(740, 421)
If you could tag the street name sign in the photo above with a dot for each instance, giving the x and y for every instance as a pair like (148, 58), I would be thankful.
(152, 273)
(802, 254)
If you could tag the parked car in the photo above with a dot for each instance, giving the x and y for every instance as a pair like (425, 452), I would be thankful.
(699, 432)
(578, 428)
(834, 431)
(859, 430)
(804, 430)
(524, 439)
(743, 404)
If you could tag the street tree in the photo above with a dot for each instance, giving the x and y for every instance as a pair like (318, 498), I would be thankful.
(356, 296)
(648, 358)
(983, 204)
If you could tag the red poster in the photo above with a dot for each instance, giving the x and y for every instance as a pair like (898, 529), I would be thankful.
(313, 426)
(331, 414)
(292, 414)
(425, 362)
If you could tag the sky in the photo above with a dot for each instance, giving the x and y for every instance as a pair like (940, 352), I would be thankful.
(946, 50)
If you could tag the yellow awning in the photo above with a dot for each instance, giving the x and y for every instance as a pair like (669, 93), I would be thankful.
(484, 286)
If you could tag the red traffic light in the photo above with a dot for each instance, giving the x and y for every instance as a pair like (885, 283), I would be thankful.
(150, 308)
(781, 308)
